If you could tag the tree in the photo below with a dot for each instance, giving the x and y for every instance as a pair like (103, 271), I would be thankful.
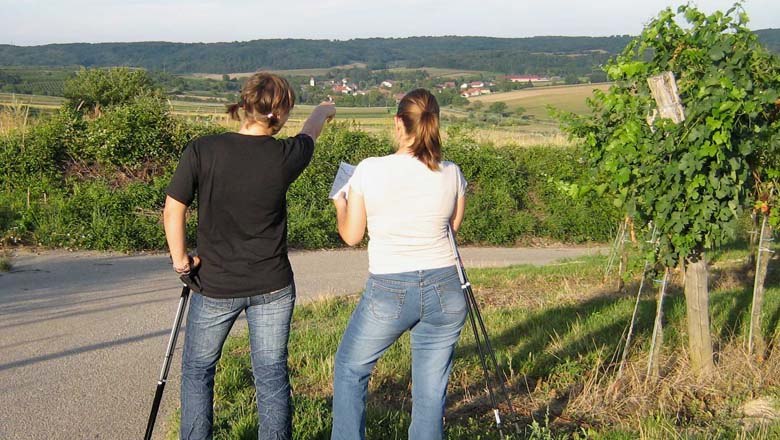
(499, 108)
(693, 179)
(93, 89)
(571, 79)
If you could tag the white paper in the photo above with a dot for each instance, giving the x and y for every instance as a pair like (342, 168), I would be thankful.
(341, 182)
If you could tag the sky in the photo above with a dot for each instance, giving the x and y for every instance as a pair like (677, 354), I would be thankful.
(34, 22)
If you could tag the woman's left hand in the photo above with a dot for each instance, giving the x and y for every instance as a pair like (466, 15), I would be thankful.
(340, 201)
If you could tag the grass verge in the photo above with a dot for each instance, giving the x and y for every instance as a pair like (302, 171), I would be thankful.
(558, 332)
(5, 262)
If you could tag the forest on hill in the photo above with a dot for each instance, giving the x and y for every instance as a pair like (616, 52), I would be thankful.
(555, 55)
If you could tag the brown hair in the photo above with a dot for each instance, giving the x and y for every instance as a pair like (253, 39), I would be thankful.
(419, 112)
(266, 98)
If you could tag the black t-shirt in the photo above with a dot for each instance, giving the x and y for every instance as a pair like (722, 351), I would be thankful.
(241, 182)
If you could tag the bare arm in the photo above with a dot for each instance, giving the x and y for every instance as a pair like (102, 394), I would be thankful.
(174, 221)
(457, 216)
(319, 116)
(351, 217)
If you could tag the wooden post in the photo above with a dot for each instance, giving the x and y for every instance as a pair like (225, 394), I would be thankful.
(754, 237)
(658, 328)
(756, 342)
(698, 312)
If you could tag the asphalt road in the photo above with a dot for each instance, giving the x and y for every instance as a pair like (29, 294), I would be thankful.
(82, 335)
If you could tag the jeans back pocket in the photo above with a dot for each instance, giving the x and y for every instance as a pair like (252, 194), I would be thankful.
(385, 301)
(450, 295)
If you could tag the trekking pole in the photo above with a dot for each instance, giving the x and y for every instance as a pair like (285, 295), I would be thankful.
(185, 293)
(480, 337)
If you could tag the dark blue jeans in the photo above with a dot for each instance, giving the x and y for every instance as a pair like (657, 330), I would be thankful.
(208, 323)
(431, 304)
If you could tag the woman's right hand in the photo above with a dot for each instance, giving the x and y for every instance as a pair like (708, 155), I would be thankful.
(319, 116)
(327, 109)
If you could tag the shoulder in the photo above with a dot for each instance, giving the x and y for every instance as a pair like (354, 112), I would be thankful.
(451, 167)
(205, 143)
(370, 162)
(300, 138)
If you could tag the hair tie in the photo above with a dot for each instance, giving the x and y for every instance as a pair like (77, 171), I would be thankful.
(270, 115)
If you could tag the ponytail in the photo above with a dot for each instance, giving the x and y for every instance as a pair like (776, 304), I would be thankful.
(419, 112)
(232, 110)
(265, 98)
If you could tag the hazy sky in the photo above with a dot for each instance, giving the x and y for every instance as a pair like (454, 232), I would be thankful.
(31, 22)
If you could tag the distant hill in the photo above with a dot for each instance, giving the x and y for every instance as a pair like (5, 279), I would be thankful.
(770, 38)
(539, 55)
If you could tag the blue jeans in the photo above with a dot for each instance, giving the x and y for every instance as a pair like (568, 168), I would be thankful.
(208, 323)
(431, 304)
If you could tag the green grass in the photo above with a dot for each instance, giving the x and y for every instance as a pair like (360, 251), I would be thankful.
(5, 264)
(556, 330)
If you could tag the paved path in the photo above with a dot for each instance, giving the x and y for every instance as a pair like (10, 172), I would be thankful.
(82, 335)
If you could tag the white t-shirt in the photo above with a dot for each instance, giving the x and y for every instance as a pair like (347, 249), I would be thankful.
(408, 208)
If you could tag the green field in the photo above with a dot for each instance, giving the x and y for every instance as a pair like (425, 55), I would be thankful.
(33, 101)
(535, 100)
(539, 129)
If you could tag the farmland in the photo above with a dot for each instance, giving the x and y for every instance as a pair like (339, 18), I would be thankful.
(535, 100)
(537, 128)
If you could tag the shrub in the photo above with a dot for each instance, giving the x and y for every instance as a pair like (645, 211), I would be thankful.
(513, 193)
(94, 89)
(129, 135)
(34, 157)
(312, 219)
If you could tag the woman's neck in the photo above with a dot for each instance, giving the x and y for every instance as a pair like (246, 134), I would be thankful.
(405, 146)
(255, 129)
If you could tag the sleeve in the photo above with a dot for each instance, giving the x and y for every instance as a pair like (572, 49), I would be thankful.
(462, 184)
(298, 151)
(185, 179)
(356, 182)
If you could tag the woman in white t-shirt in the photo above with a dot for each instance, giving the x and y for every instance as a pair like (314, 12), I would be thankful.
(408, 200)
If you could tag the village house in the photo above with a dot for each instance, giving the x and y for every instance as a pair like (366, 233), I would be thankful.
(344, 90)
(387, 84)
(469, 93)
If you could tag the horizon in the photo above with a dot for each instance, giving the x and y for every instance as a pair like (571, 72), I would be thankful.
(34, 23)
(341, 40)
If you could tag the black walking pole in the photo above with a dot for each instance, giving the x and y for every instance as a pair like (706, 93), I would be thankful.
(185, 293)
(480, 337)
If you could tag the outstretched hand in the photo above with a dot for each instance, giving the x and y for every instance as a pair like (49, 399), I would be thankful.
(321, 114)
(327, 109)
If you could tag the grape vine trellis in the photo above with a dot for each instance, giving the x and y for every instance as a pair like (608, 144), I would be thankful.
(694, 179)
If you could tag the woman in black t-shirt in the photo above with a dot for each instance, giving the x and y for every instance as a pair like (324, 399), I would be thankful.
(240, 180)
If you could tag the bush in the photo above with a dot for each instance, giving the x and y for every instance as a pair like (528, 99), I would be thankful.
(93, 215)
(560, 212)
(95, 89)
(312, 219)
(513, 193)
(130, 135)
(34, 157)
